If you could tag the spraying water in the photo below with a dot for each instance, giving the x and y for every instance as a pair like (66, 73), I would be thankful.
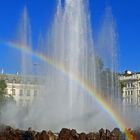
(62, 102)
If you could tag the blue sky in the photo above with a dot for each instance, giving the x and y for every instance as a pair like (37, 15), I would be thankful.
(126, 14)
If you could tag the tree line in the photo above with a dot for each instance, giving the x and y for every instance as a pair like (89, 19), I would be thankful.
(4, 96)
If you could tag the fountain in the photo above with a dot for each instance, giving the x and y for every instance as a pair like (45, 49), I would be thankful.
(74, 63)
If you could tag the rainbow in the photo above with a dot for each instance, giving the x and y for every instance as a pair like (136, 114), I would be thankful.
(85, 85)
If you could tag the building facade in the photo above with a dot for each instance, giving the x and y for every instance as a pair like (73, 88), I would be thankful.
(130, 89)
(23, 89)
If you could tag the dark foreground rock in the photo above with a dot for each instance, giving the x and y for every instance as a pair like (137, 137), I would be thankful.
(9, 133)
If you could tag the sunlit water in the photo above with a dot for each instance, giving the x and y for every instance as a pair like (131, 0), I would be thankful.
(63, 100)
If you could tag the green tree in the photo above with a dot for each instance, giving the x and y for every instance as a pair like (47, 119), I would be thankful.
(3, 87)
(4, 97)
(107, 80)
(122, 85)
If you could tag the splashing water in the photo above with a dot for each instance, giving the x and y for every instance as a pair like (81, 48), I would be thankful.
(62, 102)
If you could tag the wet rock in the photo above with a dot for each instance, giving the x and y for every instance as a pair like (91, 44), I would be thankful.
(82, 136)
(9, 133)
(44, 135)
(27, 136)
(102, 135)
(91, 136)
(37, 136)
(52, 136)
(65, 134)
(74, 134)
(116, 134)
(108, 134)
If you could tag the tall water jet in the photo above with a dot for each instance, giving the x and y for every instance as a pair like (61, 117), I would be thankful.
(106, 49)
(74, 64)
(72, 49)
(25, 42)
(69, 48)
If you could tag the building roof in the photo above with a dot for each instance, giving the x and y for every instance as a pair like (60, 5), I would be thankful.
(12, 78)
(128, 73)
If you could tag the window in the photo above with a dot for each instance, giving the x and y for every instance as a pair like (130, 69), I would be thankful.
(128, 92)
(125, 93)
(21, 93)
(28, 92)
(127, 85)
(129, 100)
(13, 92)
(130, 85)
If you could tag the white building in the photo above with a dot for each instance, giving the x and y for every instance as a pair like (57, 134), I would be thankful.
(130, 89)
(23, 89)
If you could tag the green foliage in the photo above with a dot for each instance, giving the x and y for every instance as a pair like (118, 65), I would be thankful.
(3, 87)
(99, 63)
(4, 97)
(108, 79)
(122, 85)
